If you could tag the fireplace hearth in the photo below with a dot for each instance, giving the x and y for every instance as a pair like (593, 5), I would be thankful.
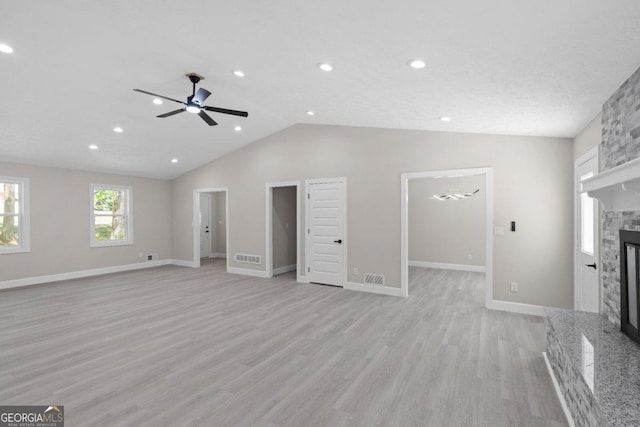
(630, 283)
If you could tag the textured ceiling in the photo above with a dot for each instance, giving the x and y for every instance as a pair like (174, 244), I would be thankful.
(495, 66)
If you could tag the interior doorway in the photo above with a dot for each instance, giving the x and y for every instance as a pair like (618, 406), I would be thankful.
(587, 289)
(487, 175)
(205, 225)
(210, 224)
(447, 223)
(282, 251)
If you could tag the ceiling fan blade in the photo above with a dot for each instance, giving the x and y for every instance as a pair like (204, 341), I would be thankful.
(160, 96)
(200, 96)
(207, 119)
(171, 113)
(225, 111)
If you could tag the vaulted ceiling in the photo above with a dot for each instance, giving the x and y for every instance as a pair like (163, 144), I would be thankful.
(493, 66)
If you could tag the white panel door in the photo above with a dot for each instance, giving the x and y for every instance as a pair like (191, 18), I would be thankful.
(587, 244)
(325, 207)
(205, 229)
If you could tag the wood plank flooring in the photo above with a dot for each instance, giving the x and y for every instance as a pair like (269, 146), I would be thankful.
(174, 346)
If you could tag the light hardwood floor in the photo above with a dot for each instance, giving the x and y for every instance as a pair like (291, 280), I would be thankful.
(173, 346)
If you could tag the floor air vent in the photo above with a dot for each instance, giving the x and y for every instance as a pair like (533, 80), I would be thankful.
(248, 259)
(374, 279)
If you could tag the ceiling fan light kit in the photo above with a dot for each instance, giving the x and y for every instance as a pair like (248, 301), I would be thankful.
(195, 103)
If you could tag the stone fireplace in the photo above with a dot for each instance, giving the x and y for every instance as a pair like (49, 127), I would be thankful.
(596, 367)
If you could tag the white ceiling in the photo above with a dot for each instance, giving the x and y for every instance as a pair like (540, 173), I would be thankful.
(495, 66)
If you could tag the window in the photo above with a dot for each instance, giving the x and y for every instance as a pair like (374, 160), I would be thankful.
(14, 215)
(111, 222)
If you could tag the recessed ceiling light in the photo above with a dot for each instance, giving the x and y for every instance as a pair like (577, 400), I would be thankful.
(417, 63)
(445, 119)
(238, 73)
(93, 147)
(174, 160)
(325, 67)
(157, 101)
(5, 48)
(310, 113)
(237, 128)
(118, 129)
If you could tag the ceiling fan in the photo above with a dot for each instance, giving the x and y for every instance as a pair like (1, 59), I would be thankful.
(195, 102)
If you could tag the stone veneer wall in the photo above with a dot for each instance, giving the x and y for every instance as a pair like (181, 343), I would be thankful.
(620, 143)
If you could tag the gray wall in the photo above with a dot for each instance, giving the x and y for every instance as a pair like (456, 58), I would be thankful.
(620, 144)
(532, 184)
(60, 215)
(447, 231)
(589, 137)
(284, 226)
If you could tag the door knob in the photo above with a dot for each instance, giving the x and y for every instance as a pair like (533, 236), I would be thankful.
(337, 241)
(592, 266)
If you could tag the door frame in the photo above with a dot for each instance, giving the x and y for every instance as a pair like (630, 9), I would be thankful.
(208, 196)
(307, 248)
(268, 250)
(592, 153)
(196, 221)
(404, 224)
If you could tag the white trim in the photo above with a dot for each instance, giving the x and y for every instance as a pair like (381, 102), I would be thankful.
(218, 255)
(345, 239)
(404, 223)
(593, 152)
(445, 266)
(382, 290)
(195, 225)
(36, 280)
(285, 269)
(516, 307)
(23, 215)
(303, 279)
(247, 272)
(556, 386)
(183, 263)
(268, 258)
(128, 240)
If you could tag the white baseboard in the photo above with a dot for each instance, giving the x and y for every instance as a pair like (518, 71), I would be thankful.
(247, 272)
(556, 386)
(182, 263)
(218, 255)
(285, 269)
(384, 290)
(37, 280)
(516, 307)
(303, 279)
(445, 266)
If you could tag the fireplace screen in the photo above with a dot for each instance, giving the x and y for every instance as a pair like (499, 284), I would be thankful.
(629, 281)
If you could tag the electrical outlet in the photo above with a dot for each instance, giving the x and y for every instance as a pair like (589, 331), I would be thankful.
(355, 271)
(514, 287)
(469, 256)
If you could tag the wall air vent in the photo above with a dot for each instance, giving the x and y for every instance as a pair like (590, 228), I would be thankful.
(248, 259)
(374, 279)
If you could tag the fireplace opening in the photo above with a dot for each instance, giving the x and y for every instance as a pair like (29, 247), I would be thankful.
(629, 283)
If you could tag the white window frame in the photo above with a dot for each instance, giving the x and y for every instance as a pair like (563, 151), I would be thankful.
(128, 213)
(23, 216)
